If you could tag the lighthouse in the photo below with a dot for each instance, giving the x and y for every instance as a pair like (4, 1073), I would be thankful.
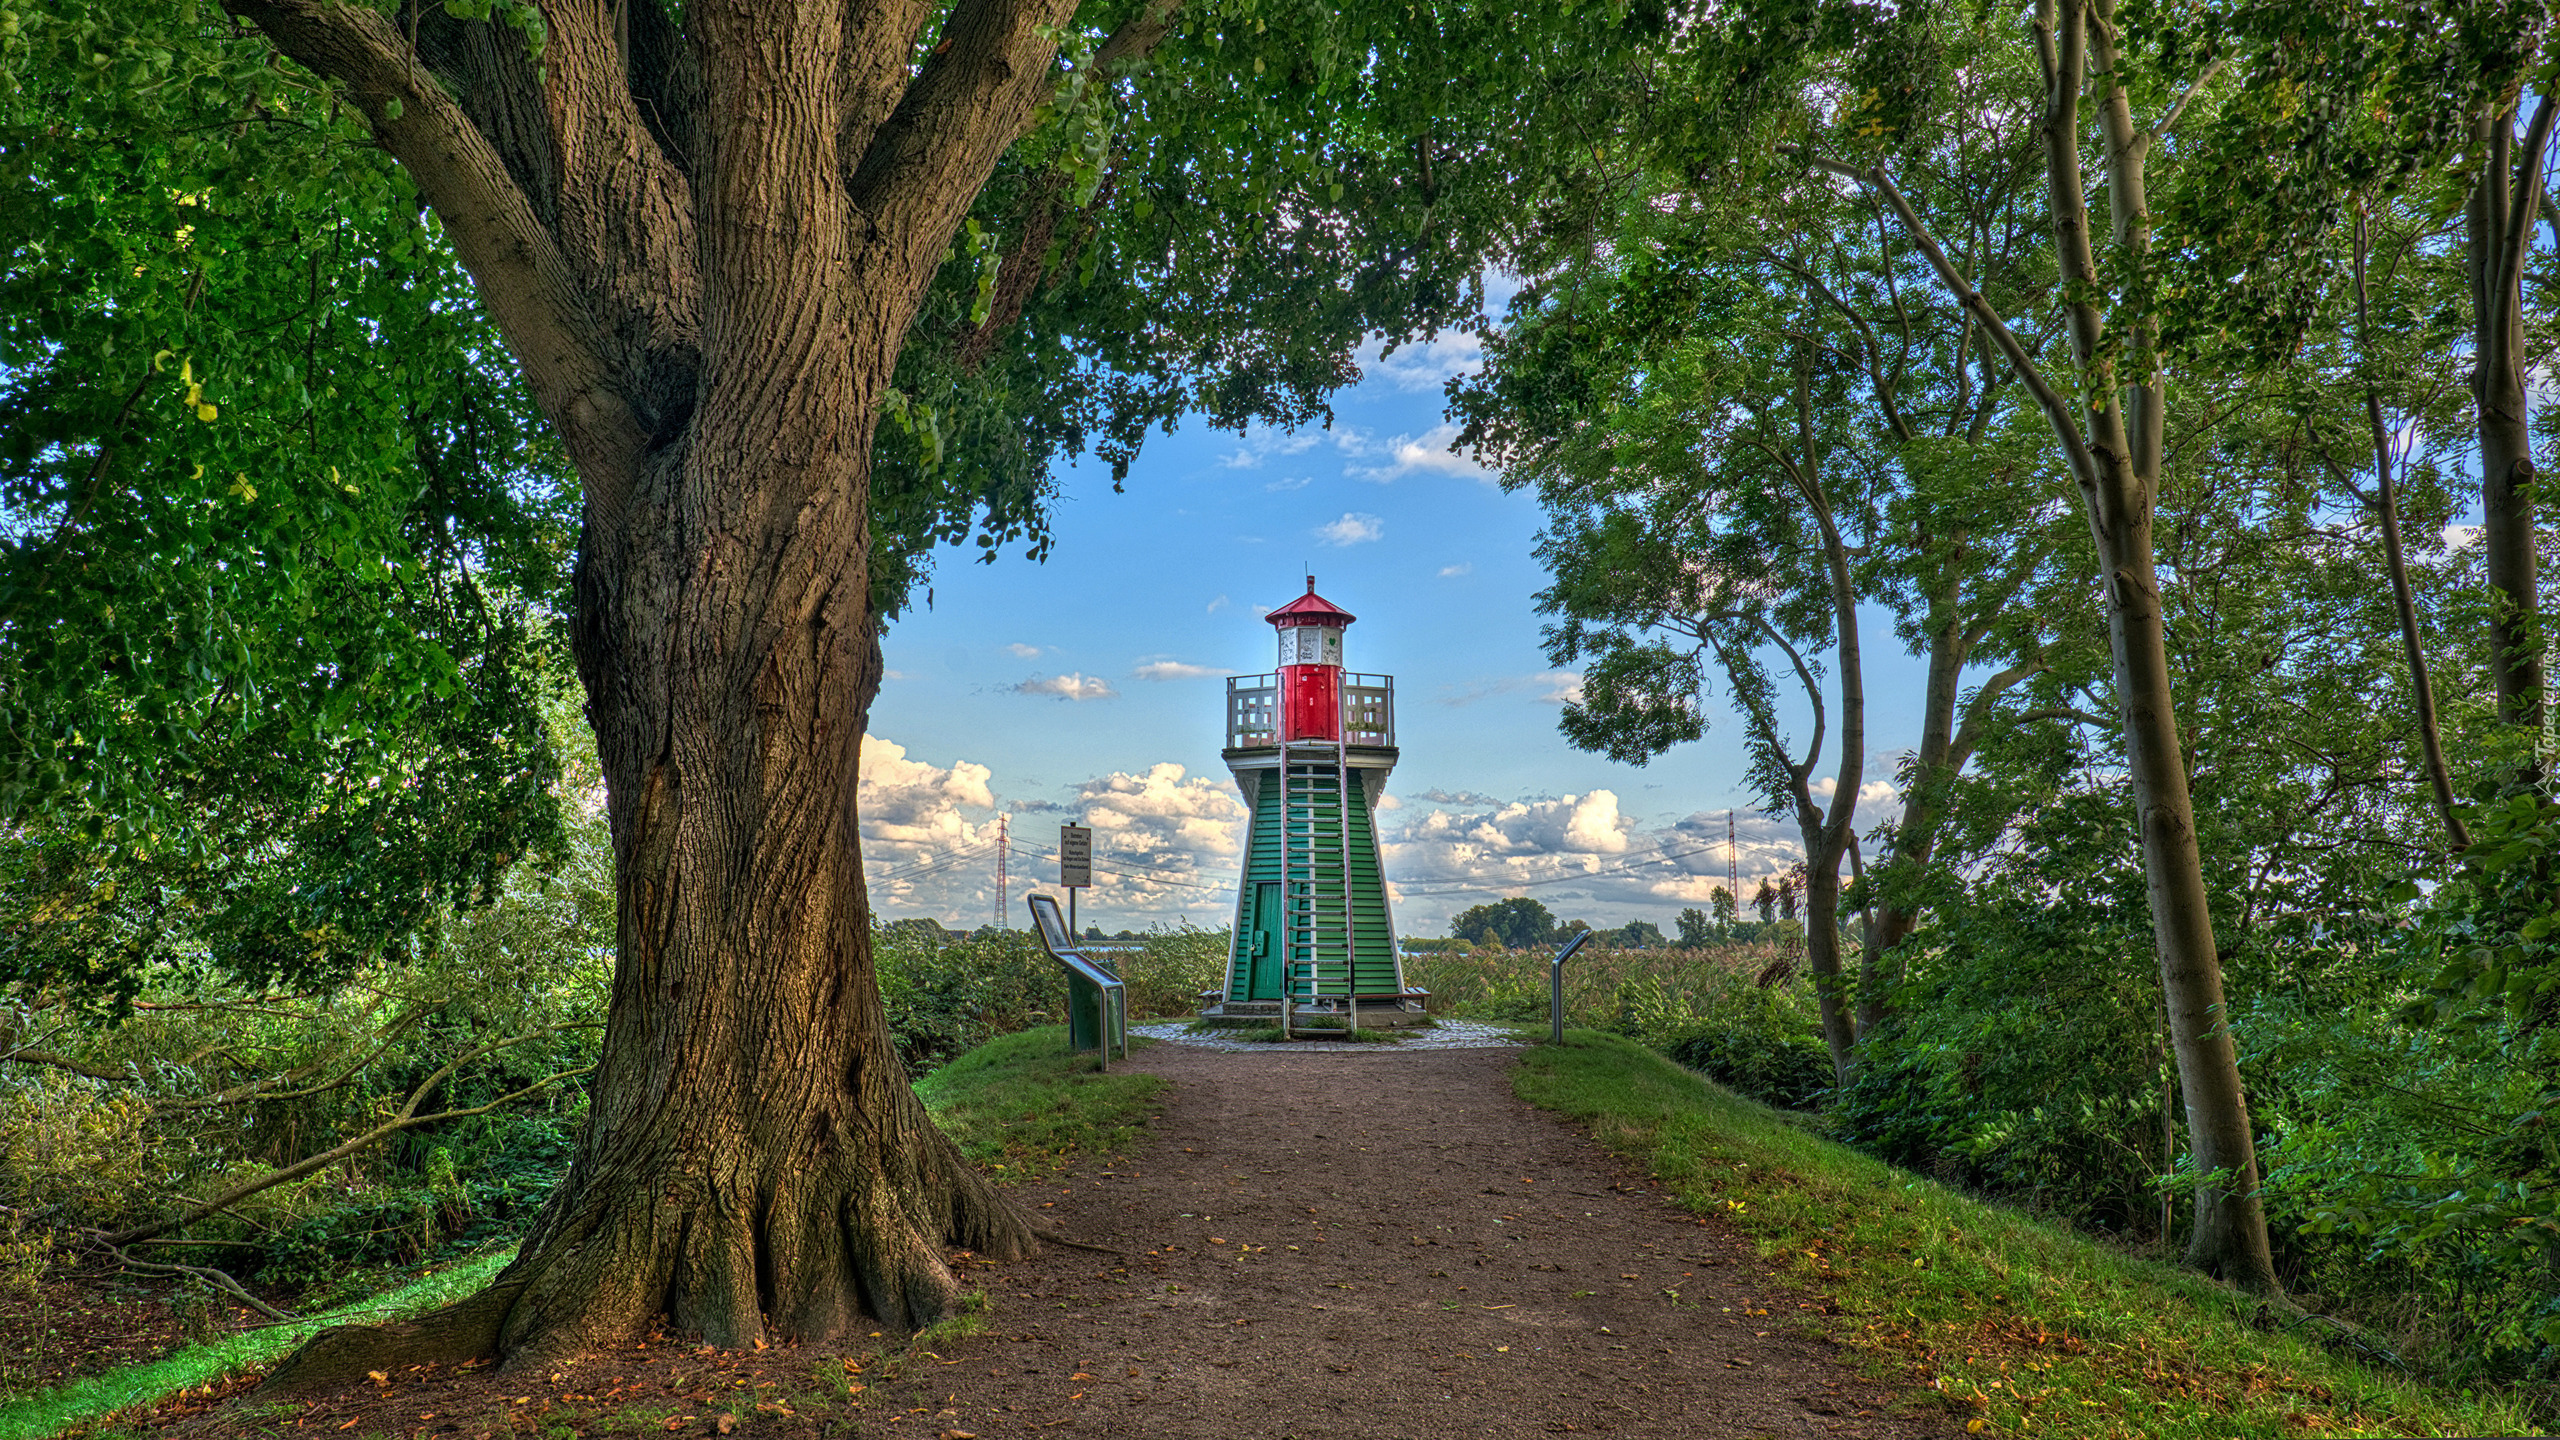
(1310, 745)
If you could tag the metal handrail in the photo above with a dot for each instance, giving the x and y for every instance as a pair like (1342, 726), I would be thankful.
(1555, 985)
(1061, 945)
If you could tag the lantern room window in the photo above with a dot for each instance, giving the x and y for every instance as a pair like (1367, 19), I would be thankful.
(1310, 645)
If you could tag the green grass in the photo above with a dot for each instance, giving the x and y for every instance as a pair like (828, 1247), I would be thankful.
(2018, 1326)
(82, 1401)
(1022, 1106)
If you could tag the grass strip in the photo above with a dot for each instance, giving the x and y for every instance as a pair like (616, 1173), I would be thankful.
(2016, 1326)
(1021, 1106)
(53, 1411)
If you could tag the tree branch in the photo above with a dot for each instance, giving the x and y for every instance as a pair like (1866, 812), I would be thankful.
(523, 279)
(2169, 119)
(2528, 195)
(29, 1055)
(2067, 712)
(1139, 35)
(2058, 410)
(923, 167)
(408, 1118)
(206, 1273)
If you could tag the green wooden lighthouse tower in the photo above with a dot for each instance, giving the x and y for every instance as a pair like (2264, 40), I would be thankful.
(1310, 746)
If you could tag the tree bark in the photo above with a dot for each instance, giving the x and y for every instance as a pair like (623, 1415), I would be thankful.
(2498, 226)
(1827, 832)
(705, 247)
(2121, 486)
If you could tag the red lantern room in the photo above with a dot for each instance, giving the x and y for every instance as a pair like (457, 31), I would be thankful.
(1310, 666)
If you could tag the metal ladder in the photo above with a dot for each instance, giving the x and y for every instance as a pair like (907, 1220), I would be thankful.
(1319, 946)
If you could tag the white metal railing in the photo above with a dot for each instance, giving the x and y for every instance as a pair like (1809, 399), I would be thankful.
(1253, 710)
(1369, 709)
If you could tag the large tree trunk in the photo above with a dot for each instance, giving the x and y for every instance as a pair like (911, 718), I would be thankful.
(705, 248)
(2497, 229)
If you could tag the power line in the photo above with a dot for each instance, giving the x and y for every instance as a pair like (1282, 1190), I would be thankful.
(1156, 875)
(939, 860)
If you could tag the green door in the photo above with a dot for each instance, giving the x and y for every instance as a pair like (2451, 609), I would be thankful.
(1266, 944)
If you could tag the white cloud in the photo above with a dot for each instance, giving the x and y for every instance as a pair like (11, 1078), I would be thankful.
(1579, 855)
(1068, 687)
(1261, 442)
(2457, 536)
(1177, 670)
(1547, 687)
(1167, 843)
(1293, 482)
(1402, 455)
(1214, 606)
(1877, 799)
(908, 801)
(1023, 652)
(1452, 572)
(1424, 365)
(1353, 528)
(1164, 837)
(913, 817)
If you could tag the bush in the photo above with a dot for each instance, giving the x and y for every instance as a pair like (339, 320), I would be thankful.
(1792, 1071)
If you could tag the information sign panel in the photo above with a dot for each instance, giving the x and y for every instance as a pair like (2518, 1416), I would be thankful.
(1075, 855)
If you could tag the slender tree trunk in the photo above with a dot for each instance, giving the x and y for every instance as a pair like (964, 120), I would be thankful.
(1822, 951)
(1915, 835)
(2498, 226)
(2386, 504)
(705, 247)
(1942, 754)
(2112, 440)
(1827, 833)
(2120, 479)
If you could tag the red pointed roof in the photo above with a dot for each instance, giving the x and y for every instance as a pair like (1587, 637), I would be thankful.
(1310, 609)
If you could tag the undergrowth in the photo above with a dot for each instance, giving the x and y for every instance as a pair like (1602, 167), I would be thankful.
(2016, 1326)
(1020, 1106)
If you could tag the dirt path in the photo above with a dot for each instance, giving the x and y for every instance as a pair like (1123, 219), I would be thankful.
(1382, 1244)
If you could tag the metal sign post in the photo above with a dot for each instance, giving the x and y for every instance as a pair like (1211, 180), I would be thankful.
(1075, 865)
(1555, 986)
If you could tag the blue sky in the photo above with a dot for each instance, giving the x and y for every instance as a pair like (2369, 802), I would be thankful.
(1090, 688)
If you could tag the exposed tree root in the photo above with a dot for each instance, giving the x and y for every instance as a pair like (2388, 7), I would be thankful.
(342, 1355)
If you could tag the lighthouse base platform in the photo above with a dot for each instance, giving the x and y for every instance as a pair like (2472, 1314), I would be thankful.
(1377, 1012)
